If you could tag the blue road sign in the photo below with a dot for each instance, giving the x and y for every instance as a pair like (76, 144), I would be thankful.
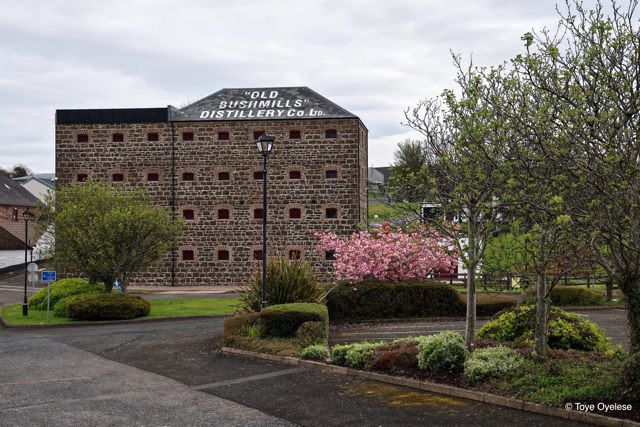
(48, 276)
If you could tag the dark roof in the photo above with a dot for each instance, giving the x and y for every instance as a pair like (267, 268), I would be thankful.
(14, 194)
(16, 229)
(386, 171)
(274, 103)
(115, 115)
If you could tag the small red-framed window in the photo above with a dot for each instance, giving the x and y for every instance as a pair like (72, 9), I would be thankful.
(295, 213)
(188, 214)
(258, 213)
(331, 174)
(83, 137)
(118, 137)
(257, 134)
(223, 136)
(331, 133)
(258, 176)
(223, 214)
(187, 256)
(330, 256)
(117, 177)
(188, 176)
(153, 177)
(294, 254)
(187, 136)
(295, 175)
(82, 177)
(332, 213)
(223, 255)
(224, 176)
(257, 255)
(153, 137)
(294, 134)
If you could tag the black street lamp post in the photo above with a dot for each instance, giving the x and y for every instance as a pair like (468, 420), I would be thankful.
(264, 143)
(26, 215)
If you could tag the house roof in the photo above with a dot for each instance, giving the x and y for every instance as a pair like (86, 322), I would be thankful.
(16, 229)
(14, 194)
(275, 103)
(47, 183)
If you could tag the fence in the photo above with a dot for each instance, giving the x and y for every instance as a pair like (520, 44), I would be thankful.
(518, 281)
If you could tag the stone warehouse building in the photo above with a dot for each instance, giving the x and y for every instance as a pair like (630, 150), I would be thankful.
(200, 162)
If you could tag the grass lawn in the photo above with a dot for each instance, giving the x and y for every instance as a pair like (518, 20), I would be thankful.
(159, 308)
(386, 212)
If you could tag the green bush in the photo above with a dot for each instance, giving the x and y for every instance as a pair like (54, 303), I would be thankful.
(108, 307)
(288, 281)
(565, 330)
(62, 289)
(566, 296)
(491, 304)
(375, 299)
(284, 320)
(444, 352)
(339, 354)
(491, 362)
(311, 333)
(60, 309)
(315, 352)
(354, 355)
(237, 328)
(632, 379)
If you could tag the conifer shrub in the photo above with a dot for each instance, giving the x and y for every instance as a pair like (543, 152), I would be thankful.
(315, 352)
(108, 307)
(282, 321)
(441, 353)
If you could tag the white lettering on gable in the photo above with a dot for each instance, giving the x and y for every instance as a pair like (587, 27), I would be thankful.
(270, 113)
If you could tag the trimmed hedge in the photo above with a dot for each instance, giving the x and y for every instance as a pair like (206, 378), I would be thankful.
(236, 329)
(282, 321)
(108, 307)
(375, 299)
(566, 296)
(490, 304)
(62, 289)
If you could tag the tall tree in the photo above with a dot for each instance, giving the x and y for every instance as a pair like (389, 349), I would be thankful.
(20, 170)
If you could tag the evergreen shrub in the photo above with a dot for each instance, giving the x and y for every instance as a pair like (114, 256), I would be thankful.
(282, 321)
(443, 352)
(315, 352)
(108, 307)
(566, 296)
(354, 355)
(491, 304)
(490, 362)
(62, 289)
(237, 328)
(311, 333)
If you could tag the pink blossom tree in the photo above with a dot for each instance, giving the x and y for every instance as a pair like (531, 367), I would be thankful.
(389, 255)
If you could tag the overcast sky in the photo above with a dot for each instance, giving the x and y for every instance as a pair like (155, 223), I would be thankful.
(374, 58)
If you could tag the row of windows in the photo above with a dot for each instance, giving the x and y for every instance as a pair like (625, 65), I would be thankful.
(258, 213)
(222, 136)
(222, 176)
(223, 255)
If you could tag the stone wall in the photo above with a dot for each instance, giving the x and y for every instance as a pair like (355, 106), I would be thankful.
(206, 195)
(7, 212)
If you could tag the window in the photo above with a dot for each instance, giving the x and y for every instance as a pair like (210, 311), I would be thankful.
(257, 255)
(332, 174)
(223, 255)
(82, 177)
(331, 133)
(153, 137)
(224, 176)
(294, 134)
(187, 136)
(223, 136)
(118, 137)
(295, 175)
(83, 137)
(258, 213)
(188, 214)
(332, 213)
(188, 176)
(330, 256)
(117, 177)
(187, 256)
(258, 176)
(295, 213)
(294, 254)
(153, 177)
(257, 134)
(223, 214)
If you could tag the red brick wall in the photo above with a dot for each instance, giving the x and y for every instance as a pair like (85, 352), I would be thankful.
(6, 212)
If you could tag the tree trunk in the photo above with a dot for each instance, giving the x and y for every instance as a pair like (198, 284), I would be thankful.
(470, 333)
(108, 285)
(631, 290)
(542, 310)
(609, 285)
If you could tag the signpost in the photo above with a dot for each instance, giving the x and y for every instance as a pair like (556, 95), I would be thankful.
(33, 276)
(48, 276)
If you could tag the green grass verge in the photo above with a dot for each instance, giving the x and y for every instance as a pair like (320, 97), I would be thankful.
(159, 308)
(387, 212)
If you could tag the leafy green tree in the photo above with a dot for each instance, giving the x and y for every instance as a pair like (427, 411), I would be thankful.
(105, 232)
(20, 170)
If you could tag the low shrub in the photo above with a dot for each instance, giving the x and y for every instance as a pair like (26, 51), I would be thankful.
(375, 299)
(491, 304)
(237, 328)
(566, 296)
(315, 352)
(311, 333)
(565, 330)
(339, 354)
(60, 309)
(632, 378)
(394, 357)
(284, 320)
(62, 289)
(490, 362)
(359, 353)
(288, 281)
(108, 307)
(444, 352)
